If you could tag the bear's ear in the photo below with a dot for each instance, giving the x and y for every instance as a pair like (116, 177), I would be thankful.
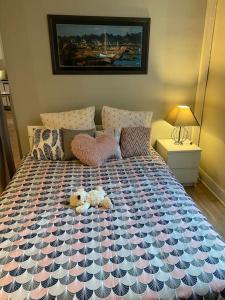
(78, 197)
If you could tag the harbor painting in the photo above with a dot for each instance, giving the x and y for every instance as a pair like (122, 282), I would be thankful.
(99, 45)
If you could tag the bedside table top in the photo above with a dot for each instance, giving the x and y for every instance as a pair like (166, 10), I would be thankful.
(169, 145)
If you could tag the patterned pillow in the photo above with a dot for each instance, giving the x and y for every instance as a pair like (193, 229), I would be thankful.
(135, 141)
(114, 117)
(74, 119)
(47, 144)
(31, 129)
(115, 132)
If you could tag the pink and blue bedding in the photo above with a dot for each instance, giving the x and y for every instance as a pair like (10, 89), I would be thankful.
(153, 244)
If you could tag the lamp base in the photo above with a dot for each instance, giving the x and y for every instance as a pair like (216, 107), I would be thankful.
(179, 135)
(178, 142)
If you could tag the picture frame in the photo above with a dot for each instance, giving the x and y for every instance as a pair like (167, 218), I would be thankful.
(98, 45)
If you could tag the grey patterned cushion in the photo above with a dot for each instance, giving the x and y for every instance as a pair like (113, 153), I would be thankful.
(135, 141)
(47, 144)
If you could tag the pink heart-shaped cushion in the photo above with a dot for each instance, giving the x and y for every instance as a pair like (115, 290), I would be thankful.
(93, 151)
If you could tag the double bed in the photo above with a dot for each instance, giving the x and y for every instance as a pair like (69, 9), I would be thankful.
(153, 244)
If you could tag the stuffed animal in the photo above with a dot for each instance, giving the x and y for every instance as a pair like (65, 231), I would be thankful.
(82, 200)
(97, 197)
(78, 200)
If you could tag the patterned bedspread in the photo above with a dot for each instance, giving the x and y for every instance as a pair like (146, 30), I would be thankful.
(154, 243)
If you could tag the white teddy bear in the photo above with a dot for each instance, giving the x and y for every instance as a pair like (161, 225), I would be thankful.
(78, 200)
(82, 200)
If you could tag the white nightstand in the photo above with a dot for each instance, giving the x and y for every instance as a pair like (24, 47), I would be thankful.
(183, 160)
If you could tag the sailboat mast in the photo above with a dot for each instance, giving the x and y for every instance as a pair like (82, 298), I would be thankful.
(105, 43)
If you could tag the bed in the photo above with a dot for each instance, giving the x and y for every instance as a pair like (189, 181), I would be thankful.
(153, 244)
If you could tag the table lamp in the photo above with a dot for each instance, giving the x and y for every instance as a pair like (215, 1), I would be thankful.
(179, 117)
(3, 75)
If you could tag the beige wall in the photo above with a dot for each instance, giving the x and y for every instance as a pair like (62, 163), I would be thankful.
(212, 139)
(175, 45)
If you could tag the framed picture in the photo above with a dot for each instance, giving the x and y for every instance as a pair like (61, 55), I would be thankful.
(98, 45)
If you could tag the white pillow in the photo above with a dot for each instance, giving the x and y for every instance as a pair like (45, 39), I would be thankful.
(74, 119)
(47, 144)
(119, 118)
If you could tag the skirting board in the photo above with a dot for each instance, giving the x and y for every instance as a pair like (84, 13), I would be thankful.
(217, 191)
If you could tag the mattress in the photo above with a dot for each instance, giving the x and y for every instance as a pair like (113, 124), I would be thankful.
(153, 244)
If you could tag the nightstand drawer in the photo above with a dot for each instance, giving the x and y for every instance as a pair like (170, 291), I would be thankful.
(183, 159)
(186, 176)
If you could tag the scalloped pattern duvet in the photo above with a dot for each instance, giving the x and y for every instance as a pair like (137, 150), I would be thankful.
(153, 244)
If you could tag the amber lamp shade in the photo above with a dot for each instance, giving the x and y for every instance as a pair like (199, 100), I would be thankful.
(179, 117)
